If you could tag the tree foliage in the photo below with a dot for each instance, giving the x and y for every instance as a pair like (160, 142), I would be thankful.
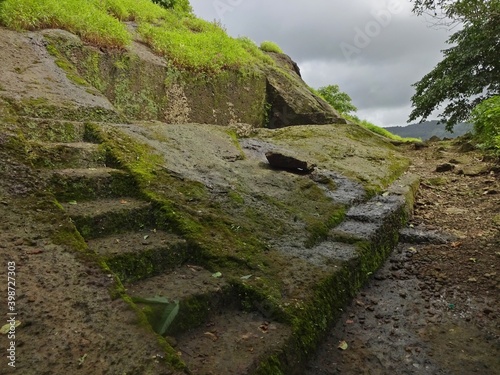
(470, 70)
(452, 10)
(486, 119)
(337, 99)
(180, 5)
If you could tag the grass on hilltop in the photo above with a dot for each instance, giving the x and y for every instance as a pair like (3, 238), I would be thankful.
(197, 45)
(95, 21)
(188, 42)
(268, 46)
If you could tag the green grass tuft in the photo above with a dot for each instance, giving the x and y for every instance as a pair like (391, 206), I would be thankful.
(252, 48)
(196, 45)
(84, 18)
(268, 46)
(134, 10)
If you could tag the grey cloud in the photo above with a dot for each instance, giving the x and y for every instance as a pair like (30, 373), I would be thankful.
(368, 86)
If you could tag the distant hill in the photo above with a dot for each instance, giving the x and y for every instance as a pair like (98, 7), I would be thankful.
(426, 130)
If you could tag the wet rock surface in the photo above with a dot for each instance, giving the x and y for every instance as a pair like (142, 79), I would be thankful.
(376, 209)
(421, 235)
(344, 190)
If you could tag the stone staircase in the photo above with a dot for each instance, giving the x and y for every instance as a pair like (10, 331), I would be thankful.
(107, 208)
(105, 203)
(154, 264)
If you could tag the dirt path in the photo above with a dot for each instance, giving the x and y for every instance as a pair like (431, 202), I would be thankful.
(433, 308)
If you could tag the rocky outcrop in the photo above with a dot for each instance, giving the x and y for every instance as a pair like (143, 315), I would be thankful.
(290, 99)
(286, 62)
(142, 86)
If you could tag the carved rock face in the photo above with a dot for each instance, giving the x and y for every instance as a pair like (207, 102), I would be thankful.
(292, 102)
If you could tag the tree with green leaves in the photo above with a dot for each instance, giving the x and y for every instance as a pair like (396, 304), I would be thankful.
(337, 99)
(486, 119)
(470, 70)
(180, 5)
(452, 10)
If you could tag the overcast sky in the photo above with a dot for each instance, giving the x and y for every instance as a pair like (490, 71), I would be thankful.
(373, 49)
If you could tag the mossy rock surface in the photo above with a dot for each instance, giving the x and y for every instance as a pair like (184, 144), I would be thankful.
(345, 148)
(143, 86)
(269, 233)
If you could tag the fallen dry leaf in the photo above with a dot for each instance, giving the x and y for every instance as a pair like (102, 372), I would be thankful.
(6, 328)
(264, 327)
(212, 336)
(343, 345)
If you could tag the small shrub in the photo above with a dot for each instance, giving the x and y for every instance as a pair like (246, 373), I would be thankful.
(268, 46)
(251, 47)
(339, 100)
(178, 5)
(486, 119)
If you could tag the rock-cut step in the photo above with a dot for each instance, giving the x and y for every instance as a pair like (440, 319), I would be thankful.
(92, 183)
(141, 254)
(195, 306)
(51, 130)
(103, 217)
(194, 288)
(82, 155)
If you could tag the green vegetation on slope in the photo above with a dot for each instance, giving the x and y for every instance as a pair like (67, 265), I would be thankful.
(196, 45)
(85, 18)
(342, 102)
(187, 42)
(486, 119)
(270, 47)
(380, 131)
(179, 5)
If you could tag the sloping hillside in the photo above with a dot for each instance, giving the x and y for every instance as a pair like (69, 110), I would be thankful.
(429, 129)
